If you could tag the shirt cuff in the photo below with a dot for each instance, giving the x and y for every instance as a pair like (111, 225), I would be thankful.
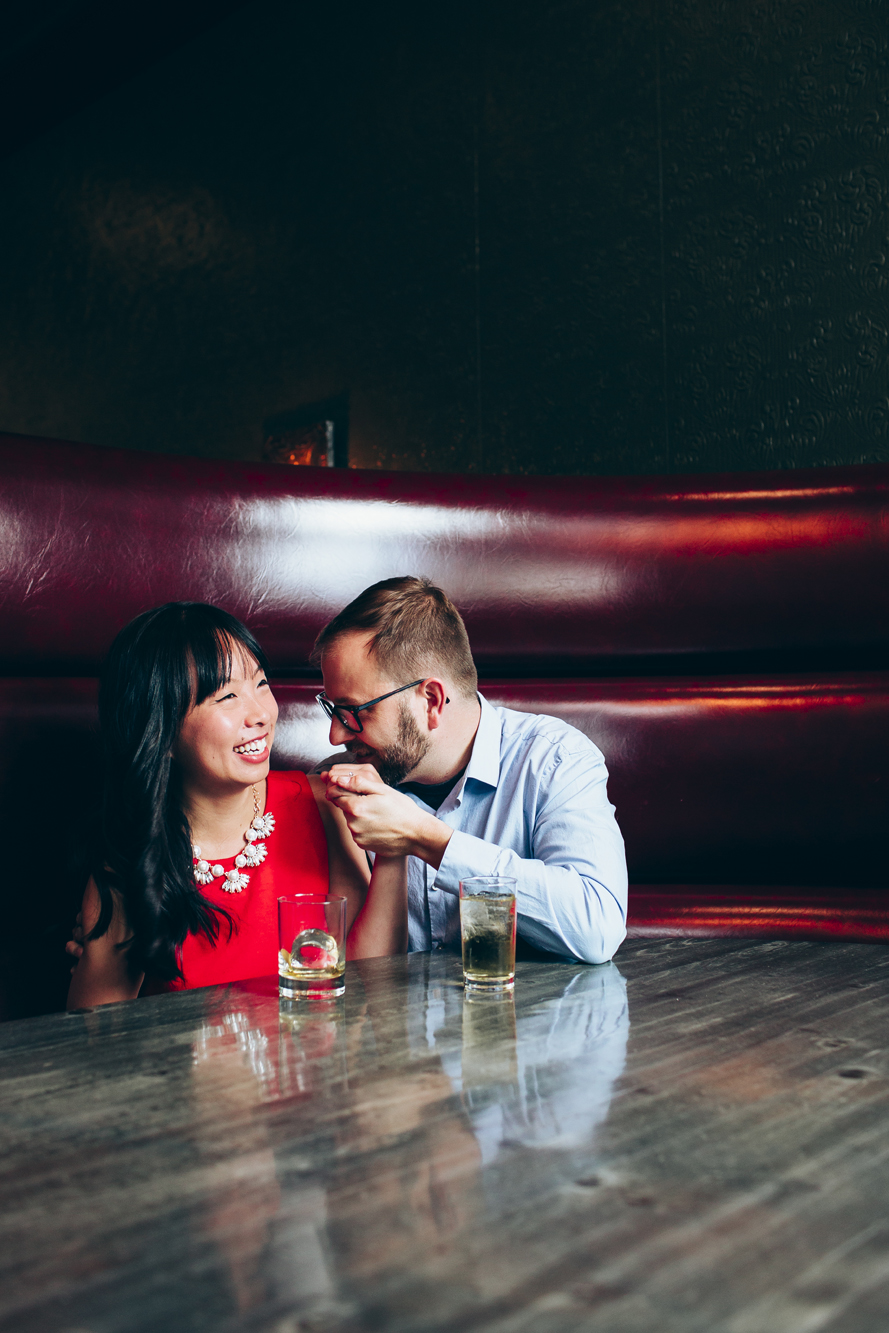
(465, 856)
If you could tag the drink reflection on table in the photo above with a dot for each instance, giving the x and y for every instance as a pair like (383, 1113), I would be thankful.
(406, 1177)
(371, 1142)
(535, 1074)
(312, 1054)
(266, 1213)
(566, 1054)
(496, 1106)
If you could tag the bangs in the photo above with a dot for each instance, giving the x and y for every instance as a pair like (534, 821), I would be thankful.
(163, 663)
(213, 650)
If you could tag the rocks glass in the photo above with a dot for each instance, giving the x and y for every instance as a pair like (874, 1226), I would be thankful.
(311, 945)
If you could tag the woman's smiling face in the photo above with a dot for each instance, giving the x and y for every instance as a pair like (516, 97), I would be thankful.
(225, 741)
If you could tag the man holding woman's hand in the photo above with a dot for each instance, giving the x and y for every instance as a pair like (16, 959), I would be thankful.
(461, 788)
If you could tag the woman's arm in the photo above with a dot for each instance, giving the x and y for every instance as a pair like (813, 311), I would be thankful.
(348, 870)
(381, 926)
(376, 913)
(102, 974)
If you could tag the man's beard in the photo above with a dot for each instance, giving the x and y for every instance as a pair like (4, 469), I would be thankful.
(394, 762)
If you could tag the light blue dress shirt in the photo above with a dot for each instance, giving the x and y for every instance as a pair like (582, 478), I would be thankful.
(532, 803)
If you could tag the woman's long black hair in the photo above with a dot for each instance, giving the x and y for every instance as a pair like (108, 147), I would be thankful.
(162, 663)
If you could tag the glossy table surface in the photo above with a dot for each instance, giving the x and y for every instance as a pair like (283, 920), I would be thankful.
(695, 1137)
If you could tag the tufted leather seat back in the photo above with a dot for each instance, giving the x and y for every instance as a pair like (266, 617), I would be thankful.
(722, 639)
(555, 576)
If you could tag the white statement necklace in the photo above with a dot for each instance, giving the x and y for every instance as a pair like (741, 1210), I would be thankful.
(252, 854)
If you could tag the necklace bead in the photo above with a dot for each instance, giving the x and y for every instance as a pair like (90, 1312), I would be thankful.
(252, 854)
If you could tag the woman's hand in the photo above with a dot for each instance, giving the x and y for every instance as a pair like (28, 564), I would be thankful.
(382, 820)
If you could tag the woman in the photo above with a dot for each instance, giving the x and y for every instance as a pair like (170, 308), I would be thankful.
(199, 838)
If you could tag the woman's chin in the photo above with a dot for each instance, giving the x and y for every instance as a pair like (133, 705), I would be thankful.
(247, 775)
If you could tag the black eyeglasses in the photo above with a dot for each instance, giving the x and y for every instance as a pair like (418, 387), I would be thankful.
(348, 717)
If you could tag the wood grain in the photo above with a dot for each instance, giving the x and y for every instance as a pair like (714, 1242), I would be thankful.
(691, 1138)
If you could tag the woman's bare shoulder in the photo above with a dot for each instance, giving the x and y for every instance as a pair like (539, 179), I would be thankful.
(327, 811)
(91, 908)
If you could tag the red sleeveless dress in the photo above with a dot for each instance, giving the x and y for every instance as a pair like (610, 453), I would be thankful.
(296, 863)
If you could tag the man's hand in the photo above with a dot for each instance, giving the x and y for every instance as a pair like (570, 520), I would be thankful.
(382, 820)
(75, 945)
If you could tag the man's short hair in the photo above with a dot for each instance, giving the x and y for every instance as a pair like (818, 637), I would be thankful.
(417, 631)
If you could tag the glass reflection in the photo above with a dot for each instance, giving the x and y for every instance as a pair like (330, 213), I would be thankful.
(538, 1073)
(367, 1143)
(311, 1047)
(568, 1053)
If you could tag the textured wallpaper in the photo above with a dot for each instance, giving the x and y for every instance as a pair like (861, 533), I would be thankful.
(776, 131)
(620, 237)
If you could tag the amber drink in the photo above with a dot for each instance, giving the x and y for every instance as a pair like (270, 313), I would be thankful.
(311, 946)
(487, 932)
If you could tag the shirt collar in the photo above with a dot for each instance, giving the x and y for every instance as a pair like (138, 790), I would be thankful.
(484, 762)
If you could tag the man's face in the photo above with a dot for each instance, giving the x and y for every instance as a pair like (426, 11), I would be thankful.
(393, 738)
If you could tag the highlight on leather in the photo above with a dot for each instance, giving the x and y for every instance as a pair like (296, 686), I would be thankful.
(555, 575)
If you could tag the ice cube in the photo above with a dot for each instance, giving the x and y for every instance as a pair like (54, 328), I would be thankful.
(314, 949)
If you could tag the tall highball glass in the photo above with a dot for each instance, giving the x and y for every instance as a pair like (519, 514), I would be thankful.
(487, 932)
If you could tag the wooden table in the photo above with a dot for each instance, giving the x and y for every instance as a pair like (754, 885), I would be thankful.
(693, 1138)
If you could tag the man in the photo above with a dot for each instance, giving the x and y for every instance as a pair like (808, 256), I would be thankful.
(461, 787)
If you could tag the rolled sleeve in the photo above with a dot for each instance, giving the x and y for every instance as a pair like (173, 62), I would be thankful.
(466, 856)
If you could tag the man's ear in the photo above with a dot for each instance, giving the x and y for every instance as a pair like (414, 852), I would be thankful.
(436, 698)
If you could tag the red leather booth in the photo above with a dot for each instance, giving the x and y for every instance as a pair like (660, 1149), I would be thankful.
(723, 639)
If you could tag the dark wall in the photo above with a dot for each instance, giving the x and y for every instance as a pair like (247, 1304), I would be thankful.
(549, 237)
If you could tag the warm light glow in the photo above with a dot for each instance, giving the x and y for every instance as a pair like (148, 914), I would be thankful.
(791, 493)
